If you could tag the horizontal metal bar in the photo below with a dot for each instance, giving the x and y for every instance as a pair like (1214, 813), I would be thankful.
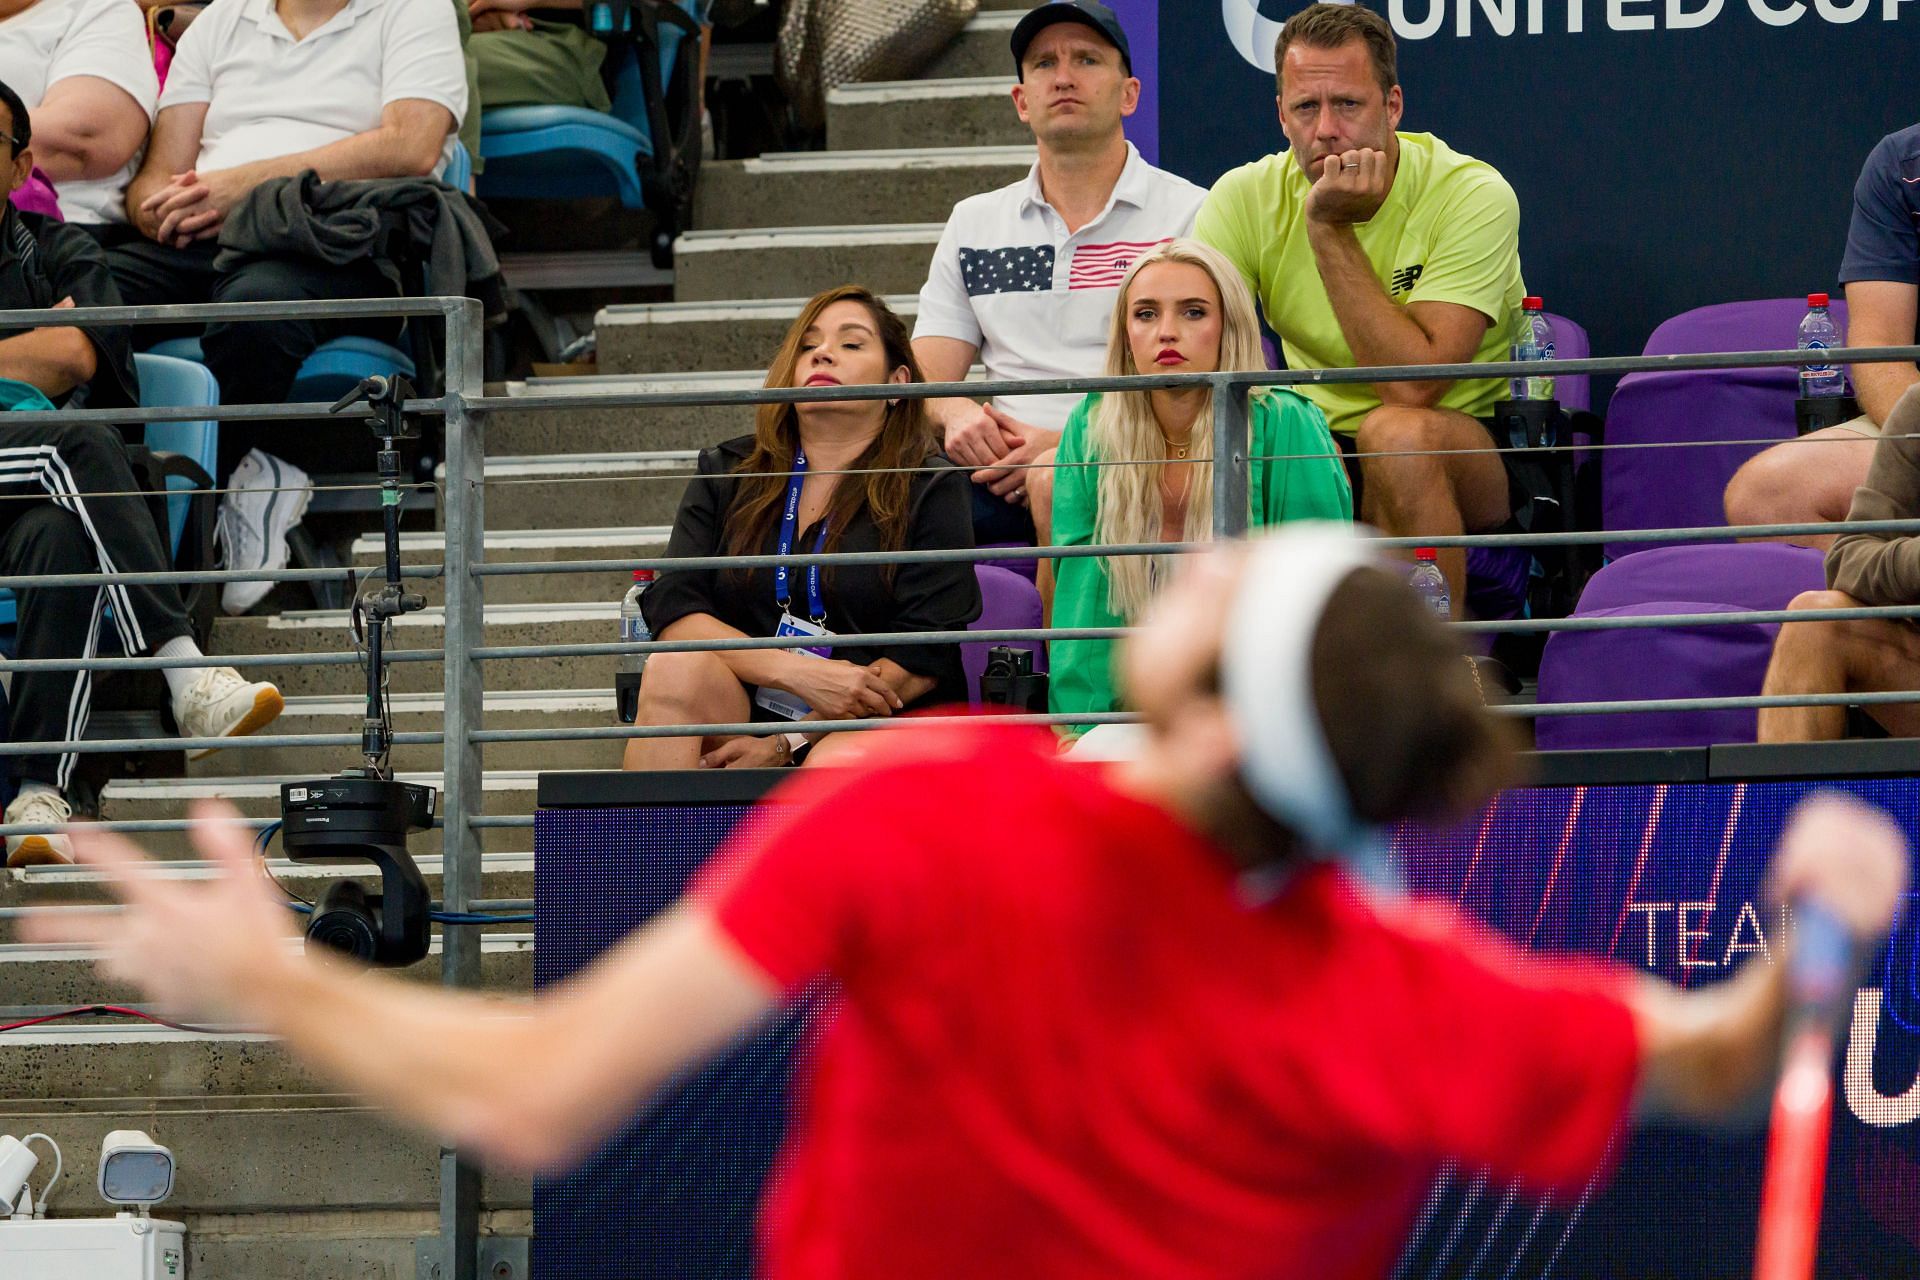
(761, 729)
(758, 729)
(297, 410)
(240, 661)
(501, 820)
(992, 555)
(1727, 618)
(734, 644)
(130, 826)
(251, 742)
(1233, 381)
(235, 312)
(996, 635)
(1533, 710)
(176, 577)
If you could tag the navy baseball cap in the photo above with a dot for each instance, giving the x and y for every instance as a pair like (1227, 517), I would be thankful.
(1088, 13)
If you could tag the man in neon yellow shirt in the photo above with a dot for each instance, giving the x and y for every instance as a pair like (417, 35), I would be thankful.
(1370, 247)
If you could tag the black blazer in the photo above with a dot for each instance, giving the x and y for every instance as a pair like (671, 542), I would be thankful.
(859, 600)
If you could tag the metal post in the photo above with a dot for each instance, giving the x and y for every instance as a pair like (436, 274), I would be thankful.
(461, 795)
(1232, 478)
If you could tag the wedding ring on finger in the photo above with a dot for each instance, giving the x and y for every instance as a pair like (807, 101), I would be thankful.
(1349, 164)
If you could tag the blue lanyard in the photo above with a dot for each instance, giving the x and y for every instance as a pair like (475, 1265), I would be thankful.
(790, 521)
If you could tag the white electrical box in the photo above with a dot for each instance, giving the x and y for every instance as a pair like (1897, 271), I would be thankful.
(126, 1247)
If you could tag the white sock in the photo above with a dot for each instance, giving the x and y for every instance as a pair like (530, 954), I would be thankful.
(29, 787)
(180, 679)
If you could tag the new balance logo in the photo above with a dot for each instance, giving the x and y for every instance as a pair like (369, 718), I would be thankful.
(1404, 278)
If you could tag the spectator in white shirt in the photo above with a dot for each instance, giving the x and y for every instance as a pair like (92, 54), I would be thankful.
(1026, 277)
(265, 89)
(84, 69)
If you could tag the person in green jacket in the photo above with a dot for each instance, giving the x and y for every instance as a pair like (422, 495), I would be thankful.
(1184, 310)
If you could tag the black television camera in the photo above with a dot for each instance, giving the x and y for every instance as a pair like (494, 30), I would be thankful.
(363, 815)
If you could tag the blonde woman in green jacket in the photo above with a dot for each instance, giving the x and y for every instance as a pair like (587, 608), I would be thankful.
(1184, 309)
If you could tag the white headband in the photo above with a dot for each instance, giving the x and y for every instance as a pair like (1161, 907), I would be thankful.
(1266, 669)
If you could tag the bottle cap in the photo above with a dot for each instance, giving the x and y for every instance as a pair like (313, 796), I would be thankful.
(1816, 299)
(645, 575)
(1532, 304)
(1425, 555)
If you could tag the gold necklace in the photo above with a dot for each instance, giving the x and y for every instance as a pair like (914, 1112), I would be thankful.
(1179, 451)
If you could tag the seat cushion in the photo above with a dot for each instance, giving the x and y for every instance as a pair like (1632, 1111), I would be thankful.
(1715, 661)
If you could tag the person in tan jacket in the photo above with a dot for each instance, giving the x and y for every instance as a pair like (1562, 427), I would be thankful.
(1870, 654)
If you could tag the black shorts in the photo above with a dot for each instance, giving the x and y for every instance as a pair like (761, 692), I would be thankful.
(1517, 491)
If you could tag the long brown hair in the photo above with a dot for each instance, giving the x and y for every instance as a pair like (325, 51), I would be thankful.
(906, 439)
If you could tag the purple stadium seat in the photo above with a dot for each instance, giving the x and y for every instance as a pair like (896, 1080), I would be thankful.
(1007, 600)
(1570, 342)
(1671, 662)
(1768, 324)
(1677, 488)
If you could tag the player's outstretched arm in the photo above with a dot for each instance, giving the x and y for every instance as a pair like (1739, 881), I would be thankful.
(1705, 1053)
(524, 1084)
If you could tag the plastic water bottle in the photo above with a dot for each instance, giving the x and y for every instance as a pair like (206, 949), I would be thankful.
(1430, 583)
(1819, 332)
(633, 629)
(1532, 340)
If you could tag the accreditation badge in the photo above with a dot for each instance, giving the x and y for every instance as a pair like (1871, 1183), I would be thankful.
(779, 701)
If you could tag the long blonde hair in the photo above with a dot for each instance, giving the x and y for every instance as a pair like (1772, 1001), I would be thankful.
(1123, 429)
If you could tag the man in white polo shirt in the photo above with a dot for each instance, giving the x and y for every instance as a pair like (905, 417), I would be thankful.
(1026, 277)
(265, 89)
(84, 69)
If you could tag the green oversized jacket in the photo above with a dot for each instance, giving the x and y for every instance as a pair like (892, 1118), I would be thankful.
(1284, 425)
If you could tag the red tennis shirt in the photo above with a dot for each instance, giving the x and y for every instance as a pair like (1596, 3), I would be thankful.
(1065, 1046)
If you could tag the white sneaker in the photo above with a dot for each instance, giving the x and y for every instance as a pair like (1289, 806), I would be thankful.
(266, 500)
(221, 704)
(40, 809)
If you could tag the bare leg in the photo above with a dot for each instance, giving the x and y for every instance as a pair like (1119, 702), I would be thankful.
(1040, 506)
(1840, 657)
(1408, 496)
(842, 748)
(684, 688)
(1804, 481)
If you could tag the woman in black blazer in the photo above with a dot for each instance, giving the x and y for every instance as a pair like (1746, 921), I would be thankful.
(850, 475)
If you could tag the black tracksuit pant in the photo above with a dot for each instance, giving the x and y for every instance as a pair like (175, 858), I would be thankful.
(69, 504)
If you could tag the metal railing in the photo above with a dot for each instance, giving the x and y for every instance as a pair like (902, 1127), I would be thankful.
(464, 571)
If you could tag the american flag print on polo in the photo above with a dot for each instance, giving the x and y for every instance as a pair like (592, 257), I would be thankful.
(1034, 297)
(1016, 269)
(1104, 266)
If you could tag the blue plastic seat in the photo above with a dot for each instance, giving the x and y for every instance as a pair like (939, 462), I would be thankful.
(165, 380)
(544, 152)
(335, 367)
(459, 171)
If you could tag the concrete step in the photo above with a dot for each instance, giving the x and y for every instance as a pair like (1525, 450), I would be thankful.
(983, 48)
(238, 1147)
(505, 877)
(537, 432)
(699, 336)
(526, 547)
(915, 185)
(669, 434)
(46, 976)
(792, 262)
(325, 631)
(584, 490)
(425, 713)
(507, 792)
(882, 114)
(364, 1244)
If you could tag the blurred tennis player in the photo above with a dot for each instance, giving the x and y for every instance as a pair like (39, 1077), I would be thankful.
(1139, 1019)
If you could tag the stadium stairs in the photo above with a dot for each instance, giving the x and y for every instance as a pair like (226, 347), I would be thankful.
(278, 1176)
